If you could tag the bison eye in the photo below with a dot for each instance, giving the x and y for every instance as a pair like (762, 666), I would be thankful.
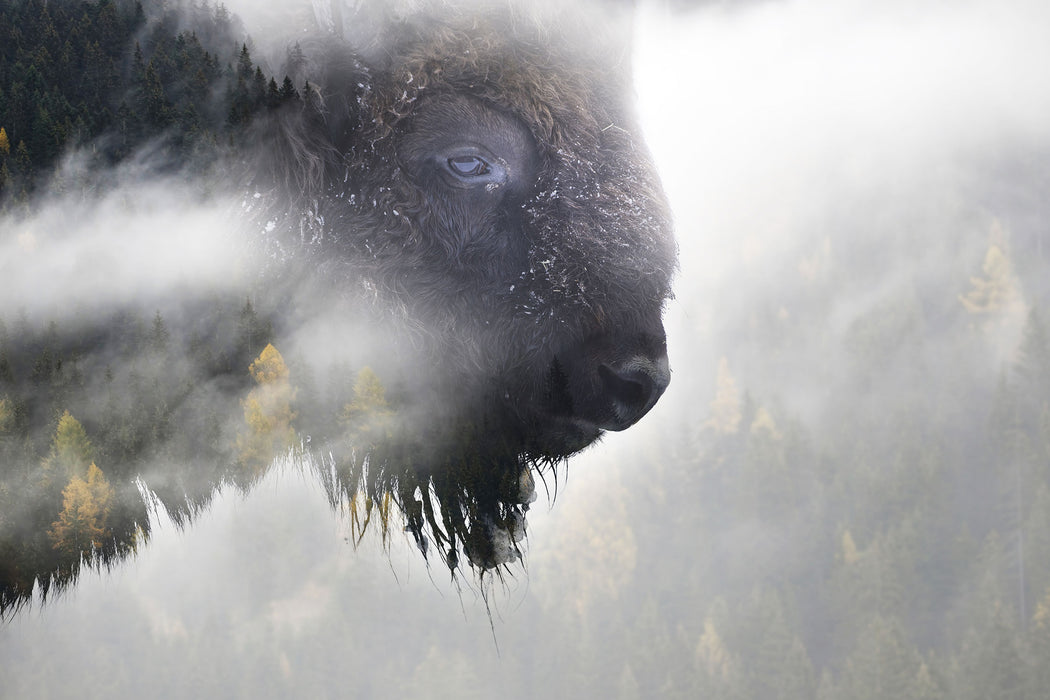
(468, 166)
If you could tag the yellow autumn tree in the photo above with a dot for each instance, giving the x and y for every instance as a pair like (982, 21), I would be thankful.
(268, 413)
(726, 410)
(368, 421)
(368, 417)
(7, 414)
(86, 504)
(849, 552)
(1040, 641)
(71, 451)
(996, 292)
(711, 654)
(5, 143)
(763, 424)
(595, 547)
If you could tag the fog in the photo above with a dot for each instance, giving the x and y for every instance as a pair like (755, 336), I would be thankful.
(838, 172)
(139, 243)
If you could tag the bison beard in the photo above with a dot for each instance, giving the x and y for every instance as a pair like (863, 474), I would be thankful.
(467, 211)
(482, 185)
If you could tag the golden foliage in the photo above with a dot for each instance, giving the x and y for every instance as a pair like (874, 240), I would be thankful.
(368, 417)
(81, 526)
(1041, 619)
(726, 411)
(359, 521)
(763, 423)
(269, 367)
(711, 653)
(596, 546)
(850, 555)
(7, 414)
(997, 291)
(268, 414)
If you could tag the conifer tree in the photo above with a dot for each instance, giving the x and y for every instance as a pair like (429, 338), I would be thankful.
(288, 92)
(71, 451)
(159, 335)
(1032, 368)
(718, 675)
(883, 665)
(926, 685)
(155, 104)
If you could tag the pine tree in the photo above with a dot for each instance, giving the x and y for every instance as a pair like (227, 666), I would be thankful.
(71, 451)
(989, 664)
(288, 92)
(1032, 371)
(252, 332)
(717, 671)
(258, 89)
(156, 108)
(273, 94)
(22, 160)
(776, 660)
(883, 665)
(159, 335)
(926, 685)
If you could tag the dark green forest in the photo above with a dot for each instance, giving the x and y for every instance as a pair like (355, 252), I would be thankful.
(853, 506)
(109, 78)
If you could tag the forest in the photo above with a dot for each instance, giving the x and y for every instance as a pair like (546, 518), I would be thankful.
(150, 86)
(850, 500)
(184, 91)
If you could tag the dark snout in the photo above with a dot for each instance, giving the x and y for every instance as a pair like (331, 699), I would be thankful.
(612, 381)
(632, 387)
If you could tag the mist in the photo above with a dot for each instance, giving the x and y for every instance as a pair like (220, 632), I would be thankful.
(838, 173)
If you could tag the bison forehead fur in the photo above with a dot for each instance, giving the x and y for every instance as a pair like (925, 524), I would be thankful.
(483, 181)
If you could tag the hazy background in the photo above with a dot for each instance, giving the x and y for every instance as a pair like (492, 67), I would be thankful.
(822, 157)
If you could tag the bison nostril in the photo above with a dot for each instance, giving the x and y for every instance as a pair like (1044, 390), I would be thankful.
(633, 388)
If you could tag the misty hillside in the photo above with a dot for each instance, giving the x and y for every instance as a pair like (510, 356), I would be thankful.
(845, 493)
(95, 93)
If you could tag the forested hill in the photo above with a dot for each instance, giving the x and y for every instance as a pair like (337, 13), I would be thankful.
(114, 75)
(101, 84)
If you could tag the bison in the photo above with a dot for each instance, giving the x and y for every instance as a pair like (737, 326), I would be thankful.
(464, 206)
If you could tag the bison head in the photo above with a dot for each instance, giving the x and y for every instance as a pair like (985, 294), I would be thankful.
(483, 181)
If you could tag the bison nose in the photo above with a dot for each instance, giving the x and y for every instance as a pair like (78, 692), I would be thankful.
(633, 387)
